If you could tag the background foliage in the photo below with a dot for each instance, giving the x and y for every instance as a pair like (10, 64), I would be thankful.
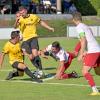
(87, 7)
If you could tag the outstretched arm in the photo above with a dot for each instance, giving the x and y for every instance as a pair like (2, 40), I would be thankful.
(60, 70)
(41, 53)
(1, 59)
(45, 25)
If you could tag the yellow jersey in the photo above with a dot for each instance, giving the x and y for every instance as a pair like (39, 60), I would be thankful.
(28, 26)
(14, 52)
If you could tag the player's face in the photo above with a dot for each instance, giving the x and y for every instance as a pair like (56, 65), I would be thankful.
(23, 12)
(74, 21)
(17, 39)
(17, 15)
(55, 50)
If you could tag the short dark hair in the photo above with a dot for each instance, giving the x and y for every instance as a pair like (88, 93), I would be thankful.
(22, 8)
(56, 44)
(14, 34)
(77, 16)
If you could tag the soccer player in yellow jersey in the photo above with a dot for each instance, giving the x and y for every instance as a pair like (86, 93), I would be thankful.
(12, 48)
(28, 24)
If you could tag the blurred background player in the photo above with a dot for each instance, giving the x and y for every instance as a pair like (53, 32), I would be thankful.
(28, 24)
(12, 48)
(89, 51)
(65, 58)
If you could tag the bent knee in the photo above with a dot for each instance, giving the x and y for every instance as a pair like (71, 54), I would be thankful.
(21, 73)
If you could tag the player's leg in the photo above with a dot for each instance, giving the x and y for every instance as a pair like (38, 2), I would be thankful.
(26, 48)
(64, 75)
(62, 70)
(97, 67)
(74, 54)
(15, 73)
(28, 72)
(89, 61)
(77, 49)
(36, 60)
(22, 66)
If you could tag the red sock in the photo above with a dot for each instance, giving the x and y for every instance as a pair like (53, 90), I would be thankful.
(90, 79)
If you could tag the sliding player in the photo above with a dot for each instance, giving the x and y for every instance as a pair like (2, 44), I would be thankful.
(12, 48)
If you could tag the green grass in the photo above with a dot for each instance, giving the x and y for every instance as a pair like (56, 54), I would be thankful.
(10, 90)
(60, 26)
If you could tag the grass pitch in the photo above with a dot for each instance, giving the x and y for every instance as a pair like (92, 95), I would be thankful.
(22, 88)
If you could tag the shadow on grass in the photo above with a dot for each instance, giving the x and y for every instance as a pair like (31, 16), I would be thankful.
(29, 79)
(26, 79)
(50, 68)
(98, 89)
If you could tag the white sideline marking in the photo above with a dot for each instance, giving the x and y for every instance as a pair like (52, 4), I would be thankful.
(46, 79)
(5, 70)
(60, 84)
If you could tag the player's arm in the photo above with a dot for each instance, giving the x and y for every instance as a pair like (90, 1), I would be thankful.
(1, 59)
(17, 17)
(16, 24)
(83, 46)
(59, 70)
(42, 54)
(45, 25)
(45, 53)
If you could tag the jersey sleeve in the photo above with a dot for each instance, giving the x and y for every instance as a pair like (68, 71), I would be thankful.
(81, 33)
(48, 48)
(37, 19)
(61, 57)
(5, 49)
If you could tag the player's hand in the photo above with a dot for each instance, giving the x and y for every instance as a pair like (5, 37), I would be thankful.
(18, 16)
(80, 57)
(51, 29)
(85, 52)
(58, 75)
(21, 37)
(41, 53)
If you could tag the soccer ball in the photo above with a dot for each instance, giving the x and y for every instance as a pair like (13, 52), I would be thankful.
(37, 74)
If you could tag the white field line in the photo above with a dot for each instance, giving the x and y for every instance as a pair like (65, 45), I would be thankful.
(5, 70)
(59, 84)
(63, 84)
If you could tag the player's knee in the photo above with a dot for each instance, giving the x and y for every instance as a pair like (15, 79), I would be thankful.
(21, 73)
(84, 72)
(21, 66)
